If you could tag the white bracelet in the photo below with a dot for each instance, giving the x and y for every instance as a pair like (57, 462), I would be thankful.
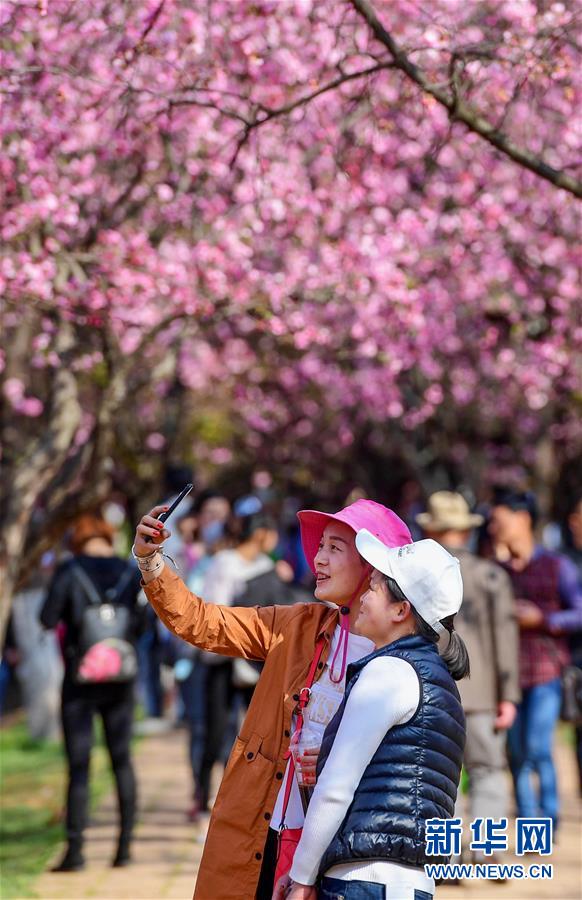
(148, 555)
(150, 562)
(155, 571)
(154, 564)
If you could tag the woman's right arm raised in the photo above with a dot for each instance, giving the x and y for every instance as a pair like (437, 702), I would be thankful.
(231, 631)
(147, 555)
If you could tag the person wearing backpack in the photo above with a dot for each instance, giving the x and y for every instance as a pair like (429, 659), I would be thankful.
(96, 596)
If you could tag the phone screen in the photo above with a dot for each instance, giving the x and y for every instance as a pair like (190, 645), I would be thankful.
(166, 515)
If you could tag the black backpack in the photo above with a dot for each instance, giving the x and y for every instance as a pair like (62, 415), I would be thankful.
(105, 653)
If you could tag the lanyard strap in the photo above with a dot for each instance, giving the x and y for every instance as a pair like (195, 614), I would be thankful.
(304, 695)
(345, 630)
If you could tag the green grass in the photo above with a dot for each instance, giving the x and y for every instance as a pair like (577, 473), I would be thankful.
(32, 794)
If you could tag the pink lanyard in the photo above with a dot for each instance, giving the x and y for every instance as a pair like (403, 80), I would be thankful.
(345, 631)
(304, 694)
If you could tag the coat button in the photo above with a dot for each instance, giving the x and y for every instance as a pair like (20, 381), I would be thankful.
(287, 733)
(320, 665)
(296, 697)
(250, 755)
(279, 776)
(258, 855)
(267, 816)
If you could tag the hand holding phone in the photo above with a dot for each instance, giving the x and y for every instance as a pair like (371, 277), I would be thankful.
(184, 493)
(163, 516)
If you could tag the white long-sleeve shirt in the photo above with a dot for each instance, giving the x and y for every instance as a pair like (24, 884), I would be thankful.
(386, 694)
(326, 696)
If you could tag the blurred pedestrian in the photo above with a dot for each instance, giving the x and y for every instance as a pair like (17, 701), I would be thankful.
(549, 608)
(176, 477)
(241, 845)
(572, 548)
(8, 662)
(487, 624)
(96, 595)
(150, 651)
(212, 511)
(40, 667)
(235, 574)
(207, 520)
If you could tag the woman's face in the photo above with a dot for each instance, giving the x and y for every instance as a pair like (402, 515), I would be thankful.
(338, 565)
(375, 607)
(216, 509)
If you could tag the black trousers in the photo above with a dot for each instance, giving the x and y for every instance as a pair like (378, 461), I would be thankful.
(219, 698)
(269, 864)
(114, 704)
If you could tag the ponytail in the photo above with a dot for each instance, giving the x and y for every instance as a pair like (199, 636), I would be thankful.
(455, 654)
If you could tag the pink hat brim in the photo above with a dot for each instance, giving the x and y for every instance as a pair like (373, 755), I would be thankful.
(378, 519)
(312, 524)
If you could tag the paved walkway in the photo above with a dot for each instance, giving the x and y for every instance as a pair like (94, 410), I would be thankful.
(167, 848)
(566, 858)
(166, 852)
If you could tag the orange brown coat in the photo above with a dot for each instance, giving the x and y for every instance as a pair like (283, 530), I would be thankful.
(284, 637)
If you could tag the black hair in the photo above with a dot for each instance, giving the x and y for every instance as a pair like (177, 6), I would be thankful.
(242, 528)
(517, 501)
(575, 499)
(572, 506)
(455, 655)
(203, 497)
(176, 476)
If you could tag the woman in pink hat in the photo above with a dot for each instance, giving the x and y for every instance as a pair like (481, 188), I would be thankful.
(298, 644)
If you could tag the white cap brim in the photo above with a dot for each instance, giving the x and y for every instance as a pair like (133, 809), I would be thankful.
(426, 573)
(374, 552)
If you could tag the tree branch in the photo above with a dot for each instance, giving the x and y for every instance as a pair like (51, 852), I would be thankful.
(265, 114)
(461, 111)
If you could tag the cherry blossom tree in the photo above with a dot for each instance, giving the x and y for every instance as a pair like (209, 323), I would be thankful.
(282, 230)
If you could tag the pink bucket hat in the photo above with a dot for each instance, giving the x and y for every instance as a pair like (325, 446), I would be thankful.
(379, 520)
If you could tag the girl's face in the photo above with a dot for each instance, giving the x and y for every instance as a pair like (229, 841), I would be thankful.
(381, 618)
(268, 540)
(338, 565)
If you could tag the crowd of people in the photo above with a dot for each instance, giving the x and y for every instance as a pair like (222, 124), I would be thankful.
(239, 657)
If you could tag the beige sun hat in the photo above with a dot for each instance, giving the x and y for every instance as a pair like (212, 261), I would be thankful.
(448, 510)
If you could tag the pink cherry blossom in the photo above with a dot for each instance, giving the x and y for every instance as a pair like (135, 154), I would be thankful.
(360, 264)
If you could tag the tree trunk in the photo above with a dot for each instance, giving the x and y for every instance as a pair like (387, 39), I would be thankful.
(32, 472)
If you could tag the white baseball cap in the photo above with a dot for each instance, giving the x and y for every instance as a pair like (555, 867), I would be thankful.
(428, 576)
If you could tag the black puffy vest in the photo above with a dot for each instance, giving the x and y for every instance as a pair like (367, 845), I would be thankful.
(414, 774)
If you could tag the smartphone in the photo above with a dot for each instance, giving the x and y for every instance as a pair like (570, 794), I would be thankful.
(163, 517)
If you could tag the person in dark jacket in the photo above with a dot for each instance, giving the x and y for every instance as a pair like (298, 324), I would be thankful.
(391, 757)
(487, 623)
(94, 680)
(549, 611)
(572, 548)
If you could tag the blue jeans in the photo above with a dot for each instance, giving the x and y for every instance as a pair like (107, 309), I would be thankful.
(5, 676)
(149, 656)
(530, 750)
(192, 691)
(338, 889)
